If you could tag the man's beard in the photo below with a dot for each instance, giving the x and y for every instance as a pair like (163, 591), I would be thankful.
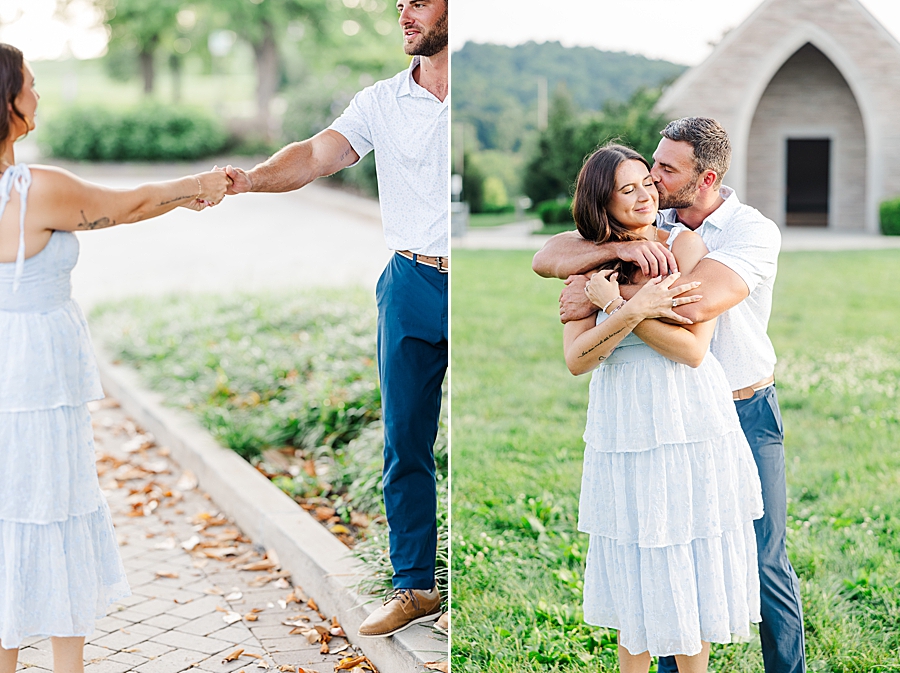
(431, 42)
(683, 198)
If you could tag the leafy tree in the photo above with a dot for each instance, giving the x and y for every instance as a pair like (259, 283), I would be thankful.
(557, 158)
(139, 25)
(563, 146)
(635, 124)
(473, 185)
(263, 24)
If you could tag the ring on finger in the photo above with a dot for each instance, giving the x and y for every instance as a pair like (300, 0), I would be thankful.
(674, 303)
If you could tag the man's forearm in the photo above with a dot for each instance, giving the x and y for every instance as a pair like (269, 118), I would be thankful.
(288, 169)
(568, 254)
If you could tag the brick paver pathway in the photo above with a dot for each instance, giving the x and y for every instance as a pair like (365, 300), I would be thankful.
(196, 597)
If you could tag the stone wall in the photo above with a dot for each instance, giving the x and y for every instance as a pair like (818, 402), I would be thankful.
(734, 80)
(791, 107)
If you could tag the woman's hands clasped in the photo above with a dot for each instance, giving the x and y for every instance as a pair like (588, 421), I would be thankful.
(657, 298)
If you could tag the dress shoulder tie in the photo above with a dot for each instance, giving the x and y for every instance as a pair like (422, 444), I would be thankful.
(18, 176)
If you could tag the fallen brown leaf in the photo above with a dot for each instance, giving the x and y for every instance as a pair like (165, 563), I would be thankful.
(324, 649)
(265, 564)
(324, 513)
(312, 604)
(170, 575)
(234, 655)
(437, 666)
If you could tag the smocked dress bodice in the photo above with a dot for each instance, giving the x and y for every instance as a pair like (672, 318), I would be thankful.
(46, 358)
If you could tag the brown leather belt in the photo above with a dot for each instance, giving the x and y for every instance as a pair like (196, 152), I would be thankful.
(748, 392)
(442, 264)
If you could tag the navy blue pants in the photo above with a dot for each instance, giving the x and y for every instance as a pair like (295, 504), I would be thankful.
(412, 360)
(781, 629)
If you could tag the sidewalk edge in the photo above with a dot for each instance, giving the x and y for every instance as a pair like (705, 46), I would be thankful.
(320, 563)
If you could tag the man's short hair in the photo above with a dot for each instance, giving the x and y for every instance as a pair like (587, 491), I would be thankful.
(712, 148)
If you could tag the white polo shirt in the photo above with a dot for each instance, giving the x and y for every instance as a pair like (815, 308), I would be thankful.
(747, 242)
(408, 127)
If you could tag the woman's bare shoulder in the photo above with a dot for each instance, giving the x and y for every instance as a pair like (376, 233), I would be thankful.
(52, 175)
(687, 240)
(688, 249)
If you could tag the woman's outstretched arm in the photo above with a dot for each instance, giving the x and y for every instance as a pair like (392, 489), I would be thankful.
(60, 200)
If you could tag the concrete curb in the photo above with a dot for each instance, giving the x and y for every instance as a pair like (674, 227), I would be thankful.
(318, 562)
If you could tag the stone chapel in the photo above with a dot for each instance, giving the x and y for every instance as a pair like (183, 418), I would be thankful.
(809, 92)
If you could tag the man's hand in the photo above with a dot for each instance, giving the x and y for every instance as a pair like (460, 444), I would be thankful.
(654, 258)
(573, 302)
(240, 181)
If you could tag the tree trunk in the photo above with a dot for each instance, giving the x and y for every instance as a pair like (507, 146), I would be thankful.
(267, 71)
(147, 70)
(175, 68)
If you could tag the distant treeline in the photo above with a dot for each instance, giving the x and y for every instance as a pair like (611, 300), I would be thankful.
(495, 88)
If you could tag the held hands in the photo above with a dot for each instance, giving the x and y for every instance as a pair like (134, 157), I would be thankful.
(657, 298)
(212, 185)
(240, 181)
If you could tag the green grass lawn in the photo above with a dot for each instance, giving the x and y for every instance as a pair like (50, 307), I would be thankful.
(517, 421)
(496, 219)
(288, 381)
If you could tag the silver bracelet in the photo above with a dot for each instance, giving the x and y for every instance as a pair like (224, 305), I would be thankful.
(606, 305)
(624, 301)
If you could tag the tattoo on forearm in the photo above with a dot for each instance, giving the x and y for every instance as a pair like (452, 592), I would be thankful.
(178, 198)
(345, 154)
(101, 223)
(601, 342)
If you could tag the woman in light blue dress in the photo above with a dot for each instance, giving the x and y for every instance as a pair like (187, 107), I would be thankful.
(669, 488)
(59, 563)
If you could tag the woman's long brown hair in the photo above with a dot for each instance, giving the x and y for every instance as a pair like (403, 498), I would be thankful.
(12, 79)
(593, 192)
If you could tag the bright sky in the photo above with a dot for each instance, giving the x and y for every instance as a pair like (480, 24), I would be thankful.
(638, 26)
(34, 27)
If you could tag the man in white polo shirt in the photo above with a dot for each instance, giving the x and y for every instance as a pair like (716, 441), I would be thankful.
(737, 278)
(405, 121)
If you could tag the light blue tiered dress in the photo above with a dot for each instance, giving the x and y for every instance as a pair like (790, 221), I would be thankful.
(669, 494)
(59, 562)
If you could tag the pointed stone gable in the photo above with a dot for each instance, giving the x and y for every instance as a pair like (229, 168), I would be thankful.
(804, 69)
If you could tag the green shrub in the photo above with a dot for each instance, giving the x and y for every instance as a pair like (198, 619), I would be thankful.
(555, 212)
(149, 133)
(890, 217)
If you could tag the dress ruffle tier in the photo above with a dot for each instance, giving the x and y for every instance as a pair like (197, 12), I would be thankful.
(58, 578)
(60, 568)
(47, 360)
(669, 494)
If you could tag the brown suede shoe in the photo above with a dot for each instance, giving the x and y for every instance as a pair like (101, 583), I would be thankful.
(404, 608)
